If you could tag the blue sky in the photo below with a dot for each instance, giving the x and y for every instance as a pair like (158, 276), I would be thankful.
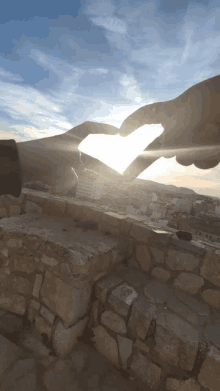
(64, 63)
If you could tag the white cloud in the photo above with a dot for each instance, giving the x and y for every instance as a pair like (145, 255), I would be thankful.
(113, 24)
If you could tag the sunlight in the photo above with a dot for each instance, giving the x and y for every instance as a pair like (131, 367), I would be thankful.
(116, 151)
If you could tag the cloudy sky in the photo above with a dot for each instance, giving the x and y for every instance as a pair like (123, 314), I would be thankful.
(64, 63)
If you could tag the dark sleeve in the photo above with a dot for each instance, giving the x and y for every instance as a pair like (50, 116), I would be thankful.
(10, 169)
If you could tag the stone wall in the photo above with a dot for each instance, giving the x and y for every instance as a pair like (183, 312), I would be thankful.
(155, 311)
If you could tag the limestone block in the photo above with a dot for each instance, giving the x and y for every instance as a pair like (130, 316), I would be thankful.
(47, 315)
(157, 292)
(212, 297)
(125, 349)
(115, 223)
(182, 310)
(113, 322)
(143, 257)
(104, 285)
(14, 303)
(37, 285)
(146, 371)
(182, 385)
(14, 210)
(166, 346)
(181, 261)
(3, 212)
(66, 301)
(121, 298)
(14, 243)
(54, 206)
(142, 314)
(49, 260)
(65, 339)
(188, 282)
(210, 269)
(185, 333)
(160, 274)
(31, 207)
(105, 344)
(157, 254)
(22, 285)
(42, 326)
(209, 375)
(140, 232)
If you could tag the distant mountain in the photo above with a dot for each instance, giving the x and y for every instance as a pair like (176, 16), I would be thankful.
(154, 186)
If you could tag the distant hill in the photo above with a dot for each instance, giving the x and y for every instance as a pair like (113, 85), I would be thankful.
(154, 186)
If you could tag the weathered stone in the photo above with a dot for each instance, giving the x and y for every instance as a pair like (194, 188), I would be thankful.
(22, 376)
(181, 261)
(157, 254)
(157, 292)
(146, 371)
(49, 260)
(14, 210)
(113, 322)
(9, 352)
(24, 265)
(55, 293)
(125, 349)
(193, 246)
(42, 326)
(34, 304)
(54, 206)
(166, 346)
(139, 345)
(121, 298)
(181, 309)
(209, 375)
(143, 257)
(103, 286)
(193, 303)
(31, 207)
(142, 314)
(140, 232)
(210, 269)
(182, 385)
(188, 282)
(3, 212)
(14, 243)
(187, 335)
(105, 344)
(21, 285)
(37, 285)
(59, 375)
(14, 303)
(4, 252)
(34, 343)
(212, 297)
(160, 274)
(115, 223)
(65, 339)
(211, 332)
(47, 315)
(132, 263)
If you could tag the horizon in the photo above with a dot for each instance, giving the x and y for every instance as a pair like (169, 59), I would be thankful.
(62, 65)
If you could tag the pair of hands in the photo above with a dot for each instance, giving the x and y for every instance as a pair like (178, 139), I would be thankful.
(191, 133)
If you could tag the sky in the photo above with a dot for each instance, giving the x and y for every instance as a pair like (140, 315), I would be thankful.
(64, 63)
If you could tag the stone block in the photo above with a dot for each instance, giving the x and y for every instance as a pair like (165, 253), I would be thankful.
(210, 269)
(140, 232)
(22, 285)
(157, 254)
(14, 303)
(114, 322)
(115, 223)
(141, 346)
(157, 292)
(3, 212)
(9, 352)
(143, 257)
(160, 274)
(193, 246)
(166, 346)
(182, 385)
(121, 299)
(212, 297)
(21, 376)
(211, 332)
(188, 282)
(197, 306)
(125, 349)
(37, 285)
(106, 345)
(54, 206)
(181, 261)
(50, 261)
(66, 301)
(103, 286)
(185, 333)
(14, 210)
(42, 326)
(14, 243)
(47, 315)
(31, 207)
(146, 371)
(142, 314)
(181, 309)
(209, 375)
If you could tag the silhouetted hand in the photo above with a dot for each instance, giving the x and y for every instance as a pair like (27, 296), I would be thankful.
(53, 159)
(191, 128)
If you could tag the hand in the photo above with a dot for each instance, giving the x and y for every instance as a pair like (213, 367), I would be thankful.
(53, 159)
(191, 128)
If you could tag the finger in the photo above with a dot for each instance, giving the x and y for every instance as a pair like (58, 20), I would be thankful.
(137, 167)
(86, 128)
(206, 164)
